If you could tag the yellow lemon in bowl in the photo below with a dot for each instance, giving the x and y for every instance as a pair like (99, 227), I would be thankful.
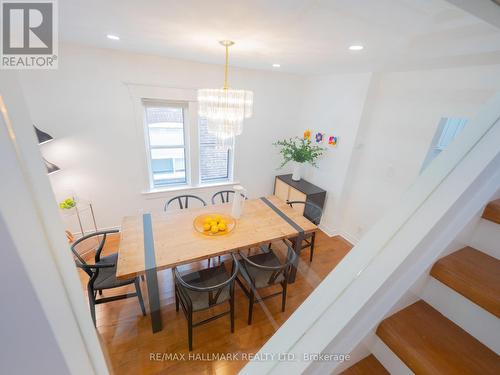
(206, 226)
(217, 218)
(214, 229)
(222, 226)
(208, 220)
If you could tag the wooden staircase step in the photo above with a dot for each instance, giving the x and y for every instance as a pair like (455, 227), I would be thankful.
(492, 211)
(367, 366)
(429, 343)
(473, 274)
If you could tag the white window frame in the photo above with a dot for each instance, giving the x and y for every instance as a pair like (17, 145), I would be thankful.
(186, 124)
(144, 93)
(445, 132)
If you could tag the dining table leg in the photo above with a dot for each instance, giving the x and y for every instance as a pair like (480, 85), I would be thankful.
(151, 274)
(154, 300)
(297, 248)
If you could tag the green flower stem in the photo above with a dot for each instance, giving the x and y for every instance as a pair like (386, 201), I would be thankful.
(299, 150)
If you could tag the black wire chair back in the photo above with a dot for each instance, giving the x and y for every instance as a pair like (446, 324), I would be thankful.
(270, 272)
(224, 196)
(90, 269)
(311, 211)
(183, 198)
(213, 290)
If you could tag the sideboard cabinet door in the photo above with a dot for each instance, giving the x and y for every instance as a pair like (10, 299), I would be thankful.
(281, 190)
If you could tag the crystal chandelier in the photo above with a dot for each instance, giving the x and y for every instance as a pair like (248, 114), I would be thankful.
(225, 109)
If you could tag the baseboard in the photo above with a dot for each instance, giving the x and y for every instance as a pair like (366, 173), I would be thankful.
(328, 231)
(353, 240)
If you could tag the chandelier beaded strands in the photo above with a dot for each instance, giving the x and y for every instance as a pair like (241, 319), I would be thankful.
(225, 109)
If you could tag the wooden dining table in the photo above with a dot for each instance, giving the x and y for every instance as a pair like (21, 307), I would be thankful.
(151, 242)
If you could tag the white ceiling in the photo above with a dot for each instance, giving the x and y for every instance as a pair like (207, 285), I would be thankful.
(304, 36)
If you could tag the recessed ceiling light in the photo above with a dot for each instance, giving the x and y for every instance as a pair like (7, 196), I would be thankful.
(276, 65)
(356, 47)
(113, 37)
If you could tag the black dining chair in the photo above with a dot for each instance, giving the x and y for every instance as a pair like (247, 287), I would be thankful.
(203, 289)
(224, 196)
(102, 274)
(313, 213)
(264, 270)
(183, 198)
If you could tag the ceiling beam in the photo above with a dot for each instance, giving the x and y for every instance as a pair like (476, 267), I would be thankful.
(487, 10)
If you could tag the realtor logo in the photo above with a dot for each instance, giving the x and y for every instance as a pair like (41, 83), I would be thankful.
(29, 34)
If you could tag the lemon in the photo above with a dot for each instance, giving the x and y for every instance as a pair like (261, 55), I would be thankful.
(218, 218)
(212, 223)
(222, 226)
(206, 226)
(208, 219)
(214, 229)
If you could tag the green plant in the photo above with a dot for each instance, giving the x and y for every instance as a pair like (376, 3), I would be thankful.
(299, 150)
(67, 204)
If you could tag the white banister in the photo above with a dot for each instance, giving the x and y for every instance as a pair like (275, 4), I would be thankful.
(357, 294)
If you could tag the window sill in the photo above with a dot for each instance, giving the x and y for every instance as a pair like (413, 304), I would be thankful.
(185, 188)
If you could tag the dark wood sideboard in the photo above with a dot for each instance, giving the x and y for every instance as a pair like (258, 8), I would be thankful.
(289, 190)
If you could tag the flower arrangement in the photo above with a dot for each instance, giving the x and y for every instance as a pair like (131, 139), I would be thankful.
(299, 150)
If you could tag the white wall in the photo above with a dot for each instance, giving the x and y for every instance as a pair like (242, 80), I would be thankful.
(28, 344)
(333, 105)
(401, 114)
(86, 106)
(385, 123)
(386, 262)
(39, 265)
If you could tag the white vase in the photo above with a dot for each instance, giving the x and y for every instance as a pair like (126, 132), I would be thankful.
(238, 201)
(297, 170)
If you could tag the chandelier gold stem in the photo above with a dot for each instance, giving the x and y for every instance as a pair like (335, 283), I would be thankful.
(226, 68)
(225, 109)
(226, 44)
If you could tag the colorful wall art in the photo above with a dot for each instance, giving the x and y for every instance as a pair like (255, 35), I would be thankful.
(333, 141)
(320, 137)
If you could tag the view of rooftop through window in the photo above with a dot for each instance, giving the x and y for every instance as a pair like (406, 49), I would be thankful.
(167, 125)
(166, 142)
(214, 159)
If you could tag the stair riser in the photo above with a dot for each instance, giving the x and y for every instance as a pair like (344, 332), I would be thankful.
(492, 211)
(486, 237)
(478, 322)
(388, 359)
